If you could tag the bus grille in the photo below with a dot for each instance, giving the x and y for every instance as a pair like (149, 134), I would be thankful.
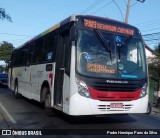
(126, 107)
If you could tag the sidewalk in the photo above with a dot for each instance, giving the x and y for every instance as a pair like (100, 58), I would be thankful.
(155, 111)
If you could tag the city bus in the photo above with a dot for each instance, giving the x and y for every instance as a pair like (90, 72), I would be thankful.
(84, 65)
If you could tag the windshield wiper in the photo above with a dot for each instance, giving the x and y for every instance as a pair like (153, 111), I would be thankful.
(105, 43)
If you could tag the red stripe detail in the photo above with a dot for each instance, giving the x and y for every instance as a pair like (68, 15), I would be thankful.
(51, 78)
(114, 96)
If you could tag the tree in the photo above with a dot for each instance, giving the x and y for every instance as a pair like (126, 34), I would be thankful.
(154, 66)
(6, 51)
(3, 15)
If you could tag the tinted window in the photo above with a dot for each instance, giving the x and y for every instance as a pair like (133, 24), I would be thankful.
(13, 59)
(50, 48)
(16, 62)
(38, 51)
(118, 56)
(22, 55)
(93, 57)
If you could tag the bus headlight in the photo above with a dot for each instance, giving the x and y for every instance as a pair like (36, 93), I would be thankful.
(144, 91)
(82, 89)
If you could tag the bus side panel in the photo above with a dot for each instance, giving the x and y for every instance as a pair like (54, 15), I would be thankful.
(66, 93)
(38, 76)
(51, 76)
(12, 81)
(24, 81)
(15, 75)
(30, 80)
(9, 78)
(20, 74)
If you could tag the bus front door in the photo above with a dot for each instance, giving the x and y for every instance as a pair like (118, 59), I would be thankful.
(60, 69)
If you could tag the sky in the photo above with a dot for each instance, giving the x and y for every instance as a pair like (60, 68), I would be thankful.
(31, 17)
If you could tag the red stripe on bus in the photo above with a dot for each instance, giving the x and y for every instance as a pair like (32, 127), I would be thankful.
(114, 96)
(51, 78)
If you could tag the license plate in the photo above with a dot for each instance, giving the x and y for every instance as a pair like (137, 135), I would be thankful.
(116, 105)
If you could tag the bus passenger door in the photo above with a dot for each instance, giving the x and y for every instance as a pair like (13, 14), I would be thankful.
(60, 68)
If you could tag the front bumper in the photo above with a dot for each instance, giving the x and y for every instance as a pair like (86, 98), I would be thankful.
(80, 105)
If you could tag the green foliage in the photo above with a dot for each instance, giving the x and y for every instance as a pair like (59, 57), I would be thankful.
(154, 65)
(157, 49)
(3, 15)
(6, 51)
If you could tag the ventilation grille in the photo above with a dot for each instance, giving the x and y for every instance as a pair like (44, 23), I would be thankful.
(126, 107)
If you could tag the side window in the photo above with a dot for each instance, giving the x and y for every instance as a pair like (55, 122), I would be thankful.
(16, 62)
(38, 51)
(28, 52)
(24, 56)
(13, 59)
(22, 52)
(50, 48)
(29, 55)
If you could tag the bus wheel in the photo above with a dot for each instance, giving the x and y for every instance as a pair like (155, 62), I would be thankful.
(48, 110)
(16, 94)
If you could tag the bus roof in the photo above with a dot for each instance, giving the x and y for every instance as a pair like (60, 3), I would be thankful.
(74, 18)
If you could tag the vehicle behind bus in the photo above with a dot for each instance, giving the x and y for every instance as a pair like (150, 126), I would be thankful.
(3, 79)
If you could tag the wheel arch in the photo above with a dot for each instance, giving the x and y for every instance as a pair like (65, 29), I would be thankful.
(42, 96)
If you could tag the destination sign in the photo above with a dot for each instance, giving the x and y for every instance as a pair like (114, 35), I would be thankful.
(107, 27)
(99, 68)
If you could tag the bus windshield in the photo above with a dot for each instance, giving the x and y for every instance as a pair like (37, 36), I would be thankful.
(105, 55)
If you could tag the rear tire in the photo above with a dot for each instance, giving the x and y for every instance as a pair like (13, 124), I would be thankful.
(47, 103)
(16, 94)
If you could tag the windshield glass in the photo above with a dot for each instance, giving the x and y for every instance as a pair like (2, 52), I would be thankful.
(131, 59)
(105, 55)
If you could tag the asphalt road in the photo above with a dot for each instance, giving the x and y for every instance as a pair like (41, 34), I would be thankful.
(28, 114)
